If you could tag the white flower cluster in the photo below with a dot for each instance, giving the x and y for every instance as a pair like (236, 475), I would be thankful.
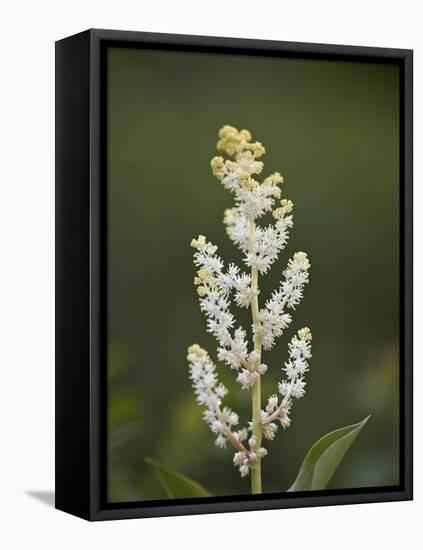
(293, 386)
(247, 376)
(214, 286)
(209, 393)
(297, 366)
(273, 317)
(211, 275)
(262, 246)
(246, 458)
(218, 285)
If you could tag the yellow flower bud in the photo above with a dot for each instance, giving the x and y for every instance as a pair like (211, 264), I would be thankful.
(287, 205)
(225, 130)
(302, 259)
(197, 350)
(257, 148)
(278, 213)
(194, 348)
(198, 242)
(201, 291)
(274, 179)
(305, 334)
(245, 134)
(203, 274)
(217, 164)
(277, 178)
(230, 212)
(230, 149)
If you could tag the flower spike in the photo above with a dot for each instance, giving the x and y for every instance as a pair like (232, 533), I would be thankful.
(218, 286)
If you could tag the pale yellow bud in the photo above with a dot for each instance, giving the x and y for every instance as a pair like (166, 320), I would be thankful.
(196, 351)
(201, 291)
(287, 205)
(203, 274)
(229, 212)
(245, 134)
(198, 242)
(302, 259)
(305, 334)
(274, 179)
(277, 178)
(231, 141)
(225, 130)
(247, 182)
(217, 164)
(230, 149)
(258, 149)
(278, 213)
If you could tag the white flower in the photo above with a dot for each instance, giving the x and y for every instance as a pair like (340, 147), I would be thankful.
(220, 441)
(272, 403)
(244, 470)
(244, 293)
(298, 388)
(247, 378)
(269, 430)
(239, 458)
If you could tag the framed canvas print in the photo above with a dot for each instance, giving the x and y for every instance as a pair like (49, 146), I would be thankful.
(233, 274)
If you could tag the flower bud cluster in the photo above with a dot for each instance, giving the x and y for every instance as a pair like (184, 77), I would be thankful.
(233, 143)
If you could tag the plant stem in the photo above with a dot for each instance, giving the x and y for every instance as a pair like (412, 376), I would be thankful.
(256, 389)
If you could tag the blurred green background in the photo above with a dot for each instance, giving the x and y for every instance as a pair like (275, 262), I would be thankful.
(332, 129)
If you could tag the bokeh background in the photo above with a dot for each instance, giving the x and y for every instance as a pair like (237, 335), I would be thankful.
(332, 129)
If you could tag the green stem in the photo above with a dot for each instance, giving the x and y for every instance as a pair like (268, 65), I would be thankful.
(256, 389)
(256, 467)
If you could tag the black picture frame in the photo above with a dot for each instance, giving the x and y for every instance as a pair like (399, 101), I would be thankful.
(81, 274)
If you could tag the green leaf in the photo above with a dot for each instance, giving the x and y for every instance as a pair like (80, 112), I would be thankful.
(175, 484)
(324, 457)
